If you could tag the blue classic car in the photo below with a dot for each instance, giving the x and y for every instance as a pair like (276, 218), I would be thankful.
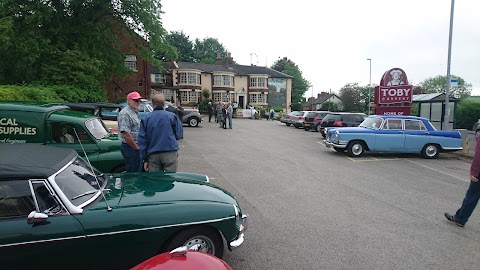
(396, 134)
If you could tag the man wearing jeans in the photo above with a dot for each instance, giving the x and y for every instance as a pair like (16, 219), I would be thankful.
(473, 193)
(128, 125)
(157, 138)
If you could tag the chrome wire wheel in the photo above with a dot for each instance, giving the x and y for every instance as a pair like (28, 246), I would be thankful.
(201, 243)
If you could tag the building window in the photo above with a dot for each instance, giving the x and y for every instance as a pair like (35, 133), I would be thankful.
(158, 78)
(223, 80)
(222, 96)
(258, 82)
(168, 93)
(189, 96)
(189, 78)
(258, 98)
(131, 62)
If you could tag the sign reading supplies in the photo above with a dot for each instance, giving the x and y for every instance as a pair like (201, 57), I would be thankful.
(9, 126)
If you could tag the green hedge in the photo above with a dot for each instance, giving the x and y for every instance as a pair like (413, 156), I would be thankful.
(56, 93)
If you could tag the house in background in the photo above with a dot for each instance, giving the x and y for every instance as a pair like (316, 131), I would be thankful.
(315, 104)
(139, 79)
(224, 81)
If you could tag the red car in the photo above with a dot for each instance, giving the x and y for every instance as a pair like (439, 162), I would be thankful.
(183, 259)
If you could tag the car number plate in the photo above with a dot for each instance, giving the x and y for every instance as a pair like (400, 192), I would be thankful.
(307, 125)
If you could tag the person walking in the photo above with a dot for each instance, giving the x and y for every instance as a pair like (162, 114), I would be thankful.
(157, 138)
(272, 114)
(230, 115)
(210, 111)
(220, 114)
(128, 125)
(473, 193)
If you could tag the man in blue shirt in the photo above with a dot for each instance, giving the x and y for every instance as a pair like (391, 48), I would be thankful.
(157, 138)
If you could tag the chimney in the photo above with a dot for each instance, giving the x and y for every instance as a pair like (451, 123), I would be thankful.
(218, 60)
(229, 60)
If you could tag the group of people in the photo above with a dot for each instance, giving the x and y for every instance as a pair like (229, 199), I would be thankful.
(149, 144)
(222, 112)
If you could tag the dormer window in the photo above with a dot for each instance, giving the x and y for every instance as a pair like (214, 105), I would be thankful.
(131, 62)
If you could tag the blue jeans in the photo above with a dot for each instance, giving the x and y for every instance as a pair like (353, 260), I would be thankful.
(133, 160)
(229, 121)
(469, 203)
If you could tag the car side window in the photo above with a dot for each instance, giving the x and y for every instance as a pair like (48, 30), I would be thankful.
(62, 133)
(16, 199)
(414, 125)
(46, 202)
(393, 124)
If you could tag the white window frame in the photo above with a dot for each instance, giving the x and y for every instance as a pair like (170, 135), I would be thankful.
(258, 82)
(189, 96)
(258, 98)
(131, 62)
(158, 78)
(223, 96)
(223, 80)
(189, 78)
(168, 93)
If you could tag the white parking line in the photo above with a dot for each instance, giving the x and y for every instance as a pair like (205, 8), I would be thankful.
(460, 178)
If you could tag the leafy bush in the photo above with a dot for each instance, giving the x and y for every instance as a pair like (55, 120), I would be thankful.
(468, 112)
(28, 93)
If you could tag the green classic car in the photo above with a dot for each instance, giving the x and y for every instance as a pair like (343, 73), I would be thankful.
(58, 211)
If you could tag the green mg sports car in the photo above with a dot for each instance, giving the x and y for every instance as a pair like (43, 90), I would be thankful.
(57, 211)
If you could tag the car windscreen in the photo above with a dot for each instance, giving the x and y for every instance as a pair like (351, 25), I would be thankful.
(96, 127)
(78, 183)
(372, 122)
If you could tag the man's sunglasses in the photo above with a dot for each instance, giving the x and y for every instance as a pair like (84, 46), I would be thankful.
(136, 100)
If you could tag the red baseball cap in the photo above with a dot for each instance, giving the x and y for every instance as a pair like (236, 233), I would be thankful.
(134, 95)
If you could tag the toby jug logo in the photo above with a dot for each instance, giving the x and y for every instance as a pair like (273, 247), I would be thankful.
(394, 88)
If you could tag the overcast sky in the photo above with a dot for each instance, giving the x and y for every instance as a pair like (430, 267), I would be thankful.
(330, 41)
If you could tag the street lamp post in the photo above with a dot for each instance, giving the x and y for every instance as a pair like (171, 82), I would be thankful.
(447, 106)
(369, 85)
(311, 101)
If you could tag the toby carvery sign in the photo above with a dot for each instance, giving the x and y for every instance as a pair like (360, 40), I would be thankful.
(393, 88)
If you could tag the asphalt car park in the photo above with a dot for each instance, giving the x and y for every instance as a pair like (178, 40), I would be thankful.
(313, 208)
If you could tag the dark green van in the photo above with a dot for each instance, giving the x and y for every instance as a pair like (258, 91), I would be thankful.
(57, 125)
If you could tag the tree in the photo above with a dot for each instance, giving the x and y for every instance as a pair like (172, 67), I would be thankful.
(40, 38)
(206, 50)
(351, 97)
(183, 45)
(299, 84)
(330, 106)
(438, 85)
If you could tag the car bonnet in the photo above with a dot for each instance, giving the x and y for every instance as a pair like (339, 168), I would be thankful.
(147, 188)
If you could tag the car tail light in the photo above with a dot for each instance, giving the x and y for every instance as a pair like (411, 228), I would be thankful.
(338, 124)
(302, 117)
(315, 119)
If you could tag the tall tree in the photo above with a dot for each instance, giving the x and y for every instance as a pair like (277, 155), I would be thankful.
(206, 50)
(183, 44)
(438, 84)
(351, 97)
(299, 84)
(43, 37)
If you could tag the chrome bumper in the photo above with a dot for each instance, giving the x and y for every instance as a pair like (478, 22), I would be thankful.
(331, 144)
(241, 238)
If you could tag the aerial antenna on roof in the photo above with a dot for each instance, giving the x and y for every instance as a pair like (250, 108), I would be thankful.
(93, 172)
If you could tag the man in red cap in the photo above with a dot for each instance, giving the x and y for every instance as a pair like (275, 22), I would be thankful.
(128, 125)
